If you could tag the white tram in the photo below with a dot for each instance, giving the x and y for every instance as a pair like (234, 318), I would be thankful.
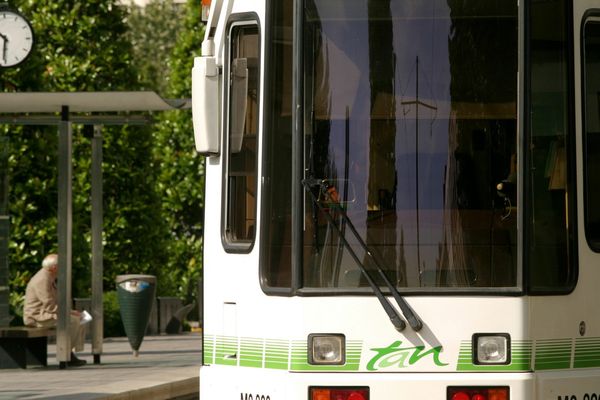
(402, 199)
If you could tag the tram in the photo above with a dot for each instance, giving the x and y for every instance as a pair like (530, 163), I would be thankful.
(402, 199)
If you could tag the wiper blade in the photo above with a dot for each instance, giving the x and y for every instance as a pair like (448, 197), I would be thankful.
(396, 320)
(415, 323)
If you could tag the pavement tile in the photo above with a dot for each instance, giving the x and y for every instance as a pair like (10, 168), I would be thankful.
(164, 362)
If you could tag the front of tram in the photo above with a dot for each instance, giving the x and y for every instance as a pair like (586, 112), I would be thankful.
(405, 252)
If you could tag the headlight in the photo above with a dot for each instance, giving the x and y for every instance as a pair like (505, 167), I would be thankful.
(490, 349)
(326, 349)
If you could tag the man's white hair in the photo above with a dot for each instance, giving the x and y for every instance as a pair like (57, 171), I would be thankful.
(50, 261)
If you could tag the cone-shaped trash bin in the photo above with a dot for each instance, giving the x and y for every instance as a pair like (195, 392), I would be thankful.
(136, 295)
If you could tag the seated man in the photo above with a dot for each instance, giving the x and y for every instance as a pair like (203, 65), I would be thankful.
(41, 308)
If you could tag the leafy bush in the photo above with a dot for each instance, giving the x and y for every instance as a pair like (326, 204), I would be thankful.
(181, 178)
(113, 326)
(16, 308)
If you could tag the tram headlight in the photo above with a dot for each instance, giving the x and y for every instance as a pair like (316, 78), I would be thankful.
(326, 349)
(490, 349)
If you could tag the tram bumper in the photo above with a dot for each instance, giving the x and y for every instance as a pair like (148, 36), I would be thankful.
(218, 382)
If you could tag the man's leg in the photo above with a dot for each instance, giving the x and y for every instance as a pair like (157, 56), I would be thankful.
(75, 328)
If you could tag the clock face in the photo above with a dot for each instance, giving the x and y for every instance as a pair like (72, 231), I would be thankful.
(16, 38)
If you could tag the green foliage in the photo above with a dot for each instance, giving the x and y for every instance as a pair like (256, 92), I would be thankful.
(32, 195)
(81, 46)
(15, 303)
(134, 229)
(188, 46)
(32, 205)
(113, 326)
(153, 179)
(153, 32)
(181, 178)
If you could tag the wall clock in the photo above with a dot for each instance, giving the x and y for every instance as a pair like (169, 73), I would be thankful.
(16, 37)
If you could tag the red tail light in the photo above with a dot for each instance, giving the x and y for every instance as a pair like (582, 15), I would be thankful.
(478, 393)
(338, 393)
(460, 396)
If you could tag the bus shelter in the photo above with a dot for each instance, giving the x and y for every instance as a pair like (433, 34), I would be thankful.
(63, 109)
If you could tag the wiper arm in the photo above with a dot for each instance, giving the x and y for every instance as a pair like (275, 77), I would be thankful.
(415, 323)
(396, 320)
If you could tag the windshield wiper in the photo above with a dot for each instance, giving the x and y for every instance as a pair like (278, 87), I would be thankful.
(329, 191)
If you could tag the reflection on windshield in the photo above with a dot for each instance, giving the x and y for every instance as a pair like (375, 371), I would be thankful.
(412, 110)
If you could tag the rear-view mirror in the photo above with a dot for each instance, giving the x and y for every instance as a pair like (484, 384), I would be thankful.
(205, 105)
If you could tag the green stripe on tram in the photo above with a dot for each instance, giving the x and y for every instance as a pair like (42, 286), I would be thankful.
(251, 352)
(277, 354)
(226, 349)
(553, 354)
(208, 349)
(550, 354)
(587, 353)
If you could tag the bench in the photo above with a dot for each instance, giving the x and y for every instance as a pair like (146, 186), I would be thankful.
(22, 346)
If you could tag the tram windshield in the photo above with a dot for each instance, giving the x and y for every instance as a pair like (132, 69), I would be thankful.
(411, 119)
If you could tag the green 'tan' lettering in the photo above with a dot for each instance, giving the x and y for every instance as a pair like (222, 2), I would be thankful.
(394, 355)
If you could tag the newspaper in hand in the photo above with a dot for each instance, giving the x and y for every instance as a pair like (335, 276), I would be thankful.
(85, 317)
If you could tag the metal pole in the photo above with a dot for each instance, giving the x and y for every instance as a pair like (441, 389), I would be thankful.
(65, 228)
(97, 255)
(417, 175)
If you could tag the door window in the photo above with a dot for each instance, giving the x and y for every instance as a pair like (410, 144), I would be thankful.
(242, 128)
(591, 120)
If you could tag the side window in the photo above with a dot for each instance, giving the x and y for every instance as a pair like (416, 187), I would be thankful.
(591, 129)
(242, 132)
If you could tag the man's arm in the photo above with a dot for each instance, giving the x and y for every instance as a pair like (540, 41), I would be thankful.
(46, 293)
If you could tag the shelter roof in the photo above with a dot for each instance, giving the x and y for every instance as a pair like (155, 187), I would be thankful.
(52, 102)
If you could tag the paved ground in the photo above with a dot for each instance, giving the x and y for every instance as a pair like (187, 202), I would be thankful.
(166, 368)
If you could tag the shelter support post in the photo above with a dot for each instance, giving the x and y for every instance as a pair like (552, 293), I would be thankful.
(97, 252)
(65, 228)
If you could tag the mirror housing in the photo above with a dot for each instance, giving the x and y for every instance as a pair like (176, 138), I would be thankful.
(205, 105)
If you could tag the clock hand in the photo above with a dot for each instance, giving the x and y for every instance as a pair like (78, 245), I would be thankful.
(4, 46)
